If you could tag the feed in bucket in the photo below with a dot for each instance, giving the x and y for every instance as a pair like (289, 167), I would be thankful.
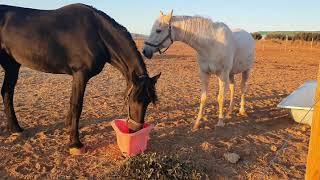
(131, 144)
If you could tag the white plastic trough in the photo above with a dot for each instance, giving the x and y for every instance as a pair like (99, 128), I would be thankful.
(300, 101)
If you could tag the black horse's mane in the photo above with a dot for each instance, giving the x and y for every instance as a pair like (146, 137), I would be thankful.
(119, 27)
(148, 90)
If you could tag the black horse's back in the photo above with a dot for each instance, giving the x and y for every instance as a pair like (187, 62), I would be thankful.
(54, 41)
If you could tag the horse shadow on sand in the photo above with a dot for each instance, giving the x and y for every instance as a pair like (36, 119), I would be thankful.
(205, 146)
(253, 113)
(171, 57)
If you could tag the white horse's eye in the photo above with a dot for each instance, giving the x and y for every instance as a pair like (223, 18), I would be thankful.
(158, 31)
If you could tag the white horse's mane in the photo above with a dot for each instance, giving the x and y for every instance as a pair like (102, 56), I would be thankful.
(198, 26)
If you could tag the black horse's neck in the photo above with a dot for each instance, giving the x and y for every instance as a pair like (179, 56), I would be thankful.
(123, 50)
(128, 62)
(126, 57)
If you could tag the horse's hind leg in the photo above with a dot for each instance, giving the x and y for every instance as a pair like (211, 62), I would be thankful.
(204, 77)
(244, 79)
(11, 69)
(231, 87)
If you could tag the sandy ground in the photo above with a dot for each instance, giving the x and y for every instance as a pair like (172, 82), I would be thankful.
(41, 103)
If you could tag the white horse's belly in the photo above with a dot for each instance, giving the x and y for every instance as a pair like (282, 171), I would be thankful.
(207, 67)
(214, 65)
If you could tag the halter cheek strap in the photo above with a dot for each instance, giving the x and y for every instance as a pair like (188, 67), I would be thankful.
(161, 42)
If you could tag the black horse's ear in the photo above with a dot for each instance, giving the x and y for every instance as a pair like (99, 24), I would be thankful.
(155, 78)
(135, 78)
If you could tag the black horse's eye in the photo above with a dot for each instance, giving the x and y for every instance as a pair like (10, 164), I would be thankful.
(158, 31)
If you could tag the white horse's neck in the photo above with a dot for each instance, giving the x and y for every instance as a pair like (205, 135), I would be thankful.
(194, 31)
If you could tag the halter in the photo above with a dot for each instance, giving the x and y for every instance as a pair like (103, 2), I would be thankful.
(133, 123)
(160, 43)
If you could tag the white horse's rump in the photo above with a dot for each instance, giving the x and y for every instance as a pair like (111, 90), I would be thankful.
(220, 51)
(245, 51)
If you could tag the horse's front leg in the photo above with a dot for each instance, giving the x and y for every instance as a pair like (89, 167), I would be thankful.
(79, 83)
(204, 77)
(223, 85)
(7, 91)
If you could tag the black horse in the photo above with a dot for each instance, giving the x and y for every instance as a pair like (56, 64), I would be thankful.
(77, 40)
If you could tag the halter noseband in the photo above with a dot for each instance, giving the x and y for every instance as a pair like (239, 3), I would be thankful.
(130, 121)
(160, 43)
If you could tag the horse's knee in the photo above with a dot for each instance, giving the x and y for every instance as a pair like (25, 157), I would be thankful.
(220, 98)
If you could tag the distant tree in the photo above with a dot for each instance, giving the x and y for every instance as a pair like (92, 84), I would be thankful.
(307, 36)
(256, 36)
(302, 36)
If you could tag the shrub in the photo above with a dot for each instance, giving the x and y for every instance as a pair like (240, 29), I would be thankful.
(155, 166)
(303, 36)
(279, 36)
(307, 36)
(256, 36)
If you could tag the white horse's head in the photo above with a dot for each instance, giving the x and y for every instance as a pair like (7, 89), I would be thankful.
(160, 36)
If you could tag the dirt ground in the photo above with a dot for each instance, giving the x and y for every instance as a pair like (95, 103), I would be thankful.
(41, 103)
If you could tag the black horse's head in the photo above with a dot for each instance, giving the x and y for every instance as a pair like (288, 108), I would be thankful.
(140, 93)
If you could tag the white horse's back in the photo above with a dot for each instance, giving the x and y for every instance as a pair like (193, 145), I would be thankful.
(244, 52)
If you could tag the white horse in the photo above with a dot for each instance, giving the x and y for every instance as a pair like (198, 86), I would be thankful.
(220, 51)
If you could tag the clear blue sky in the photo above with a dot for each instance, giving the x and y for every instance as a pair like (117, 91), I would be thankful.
(138, 15)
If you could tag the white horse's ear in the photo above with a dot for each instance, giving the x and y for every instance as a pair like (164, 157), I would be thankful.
(161, 13)
(171, 13)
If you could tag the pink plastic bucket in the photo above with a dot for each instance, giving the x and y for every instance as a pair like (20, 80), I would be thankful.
(131, 144)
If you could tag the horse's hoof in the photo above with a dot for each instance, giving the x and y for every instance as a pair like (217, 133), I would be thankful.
(16, 134)
(14, 129)
(220, 124)
(77, 151)
(243, 114)
(195, 128)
